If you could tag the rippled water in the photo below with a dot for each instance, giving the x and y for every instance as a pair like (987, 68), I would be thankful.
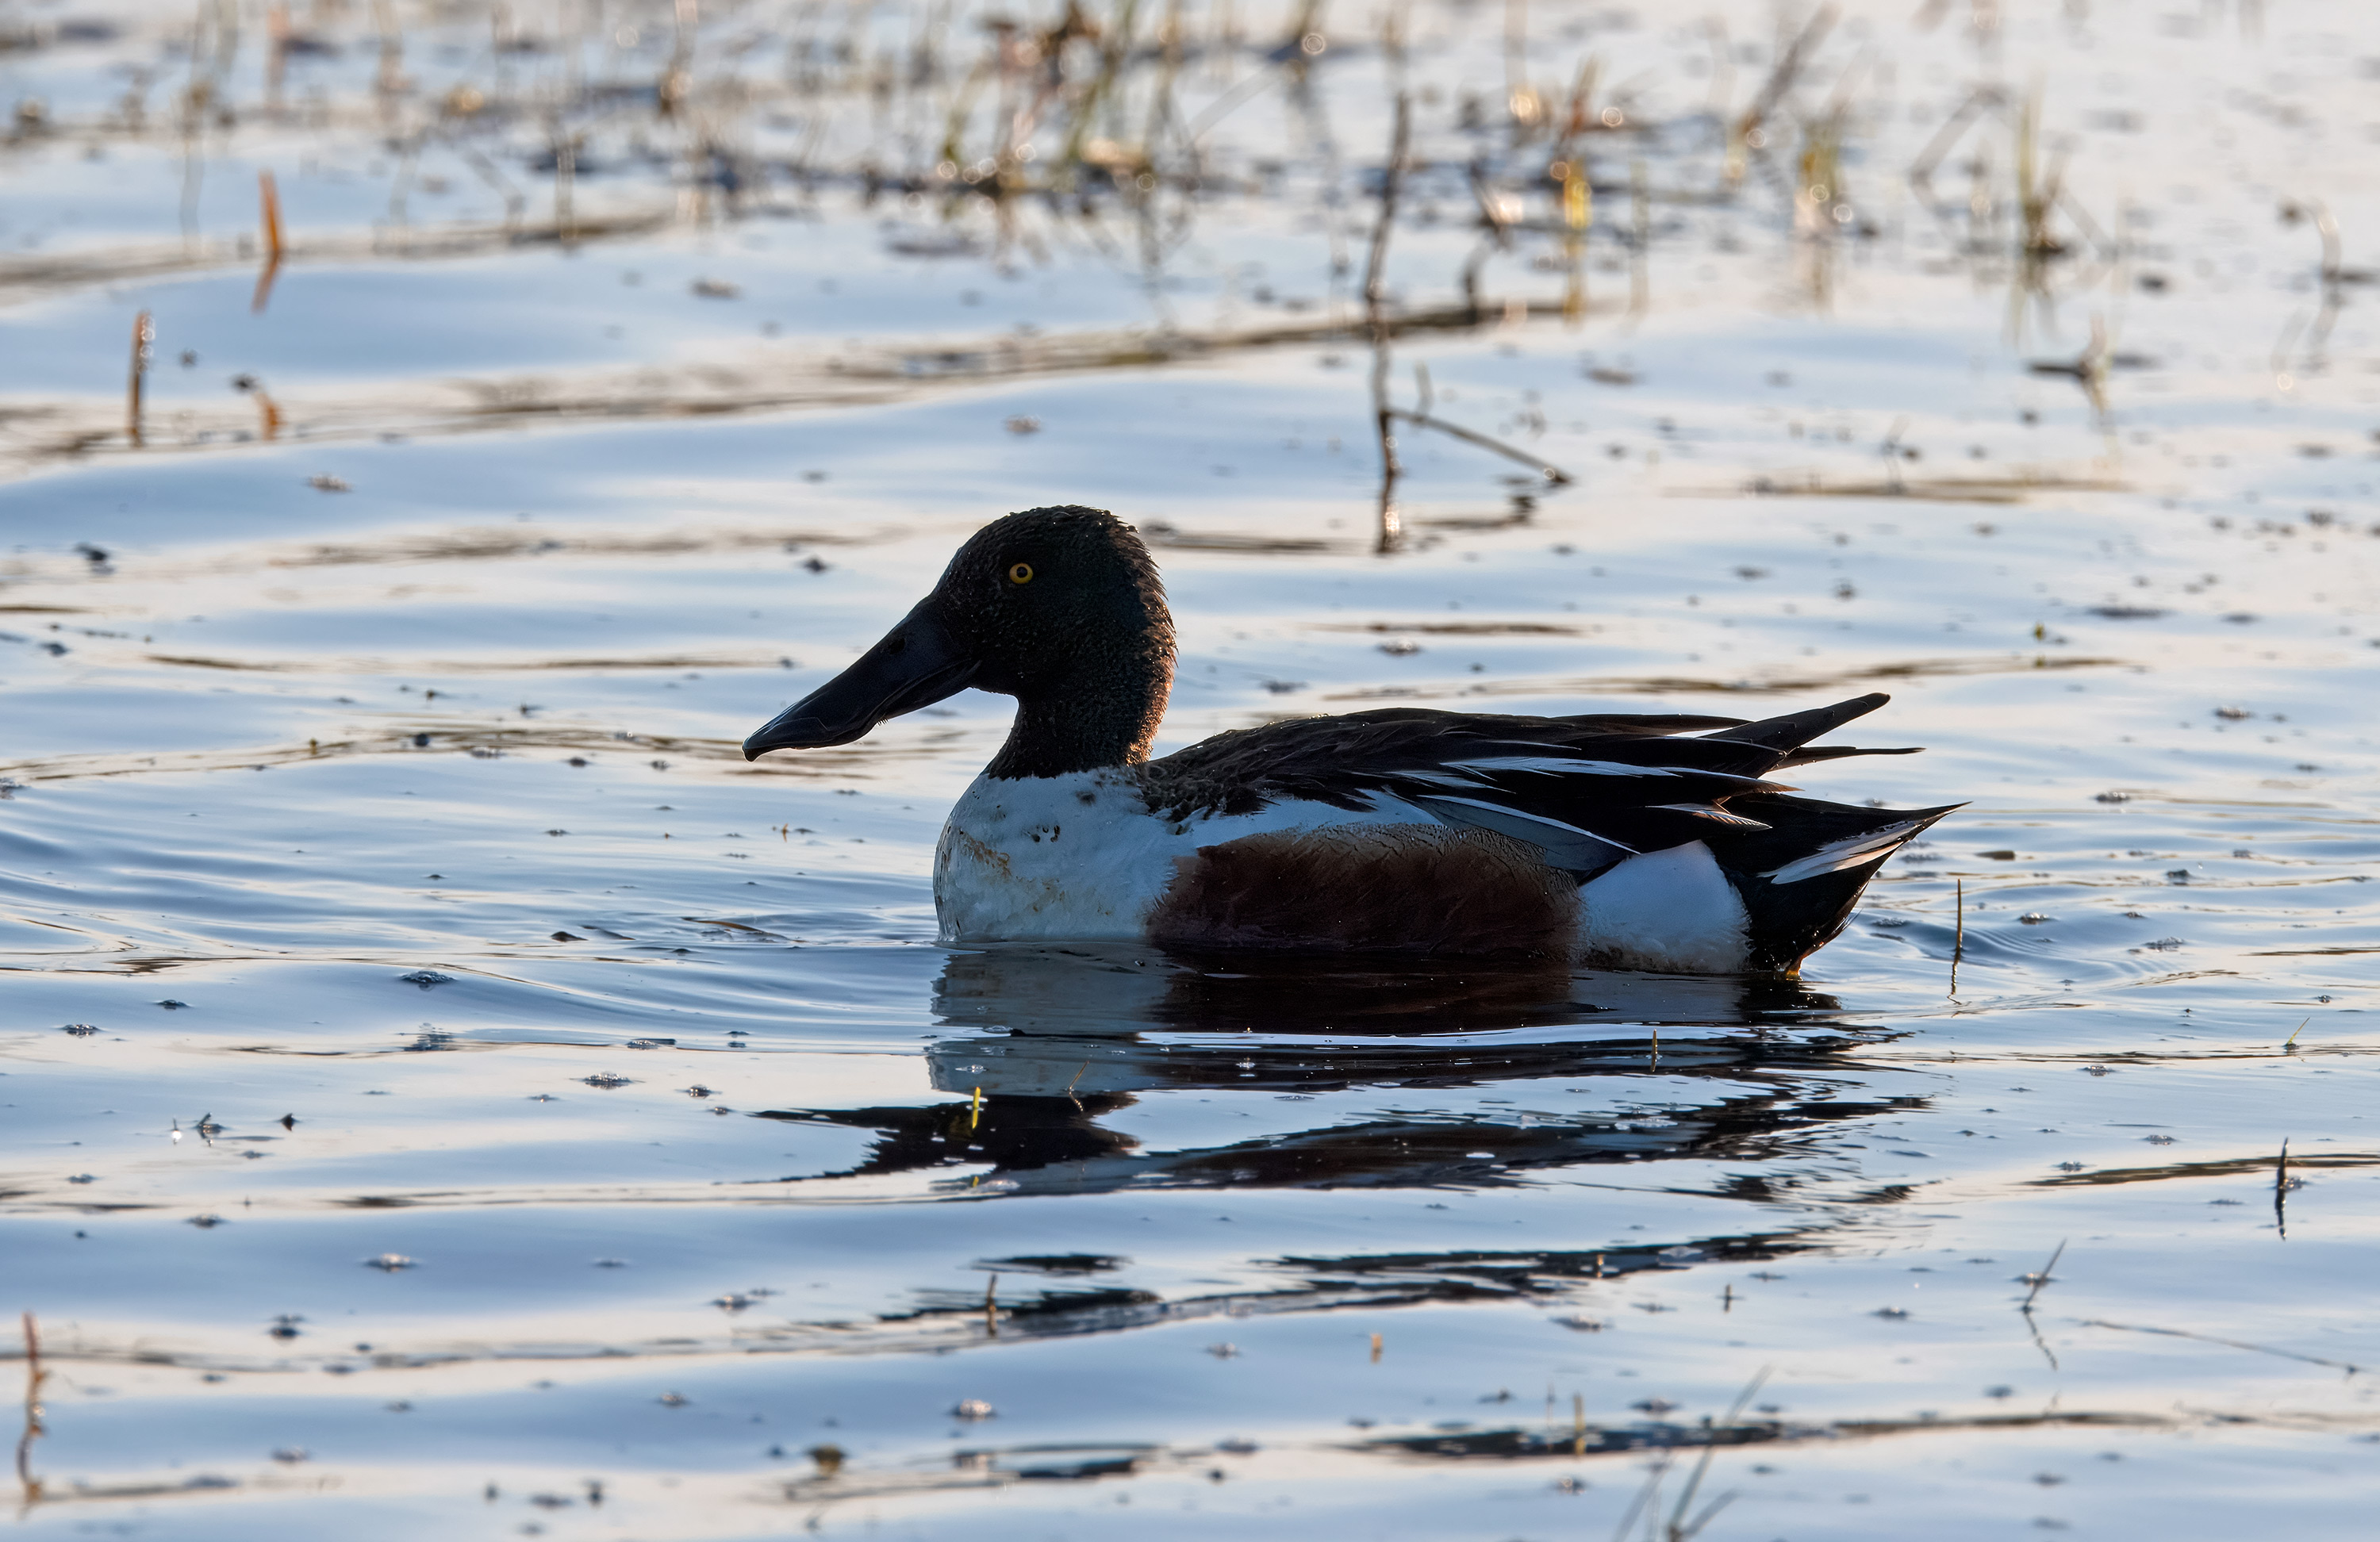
(409, 1119)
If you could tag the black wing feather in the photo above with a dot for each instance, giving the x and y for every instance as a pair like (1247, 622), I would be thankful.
(1588, 789)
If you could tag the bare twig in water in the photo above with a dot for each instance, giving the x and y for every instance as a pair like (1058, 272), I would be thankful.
(1497, 216)
(1649, 1494)
(2038, 1281)
(2281, 1192)
(1545, 468)
(1958, 941)
(144, 332)
(1981, 100)
(1520, 99)
(2088, 369)
(2026, 1309)
(2333, 277)
(1375, 315)
(1578, 217)
(2228, 1343)
(34, 1376)
(1746, 132)
(1640, 277)
(1680, 1529)
(268, 198)
(565, 176)
(2288, 1045)
(268, 415)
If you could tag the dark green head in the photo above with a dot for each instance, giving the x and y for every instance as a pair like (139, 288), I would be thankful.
(1060, 608)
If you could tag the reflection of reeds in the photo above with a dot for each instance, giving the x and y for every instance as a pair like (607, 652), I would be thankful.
(2035, 193)
(1747, 131)
(775, 381)
(34, 1376)
(1681, 1526)
(2333, 277)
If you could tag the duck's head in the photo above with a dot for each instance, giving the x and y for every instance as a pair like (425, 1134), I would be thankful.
(1060, 608)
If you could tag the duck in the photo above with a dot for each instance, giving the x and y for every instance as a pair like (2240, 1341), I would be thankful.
(1643, 842)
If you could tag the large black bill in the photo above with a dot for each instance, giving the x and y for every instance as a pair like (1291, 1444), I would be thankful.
(917, 664)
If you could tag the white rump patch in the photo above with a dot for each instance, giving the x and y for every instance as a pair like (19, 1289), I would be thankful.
(1671, 910)
(1849, 852)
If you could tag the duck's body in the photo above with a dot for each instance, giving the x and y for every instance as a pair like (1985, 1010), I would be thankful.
(1617, 840)
(1032, 860)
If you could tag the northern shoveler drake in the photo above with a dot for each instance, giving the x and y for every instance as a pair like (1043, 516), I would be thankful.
(1631, 842)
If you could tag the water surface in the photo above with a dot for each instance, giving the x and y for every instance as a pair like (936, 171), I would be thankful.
(442, 1086)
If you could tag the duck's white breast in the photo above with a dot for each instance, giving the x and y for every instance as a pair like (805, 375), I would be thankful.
(1080, 855)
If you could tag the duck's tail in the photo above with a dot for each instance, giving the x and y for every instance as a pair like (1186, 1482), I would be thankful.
(1800, 877)
(1789, 733)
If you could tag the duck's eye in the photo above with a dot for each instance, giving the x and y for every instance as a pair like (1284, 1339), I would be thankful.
(1021, 572)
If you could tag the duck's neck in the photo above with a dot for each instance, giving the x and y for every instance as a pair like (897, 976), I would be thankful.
(1104, 712)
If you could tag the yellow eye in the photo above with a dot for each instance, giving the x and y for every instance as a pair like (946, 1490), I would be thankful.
(1021, 574)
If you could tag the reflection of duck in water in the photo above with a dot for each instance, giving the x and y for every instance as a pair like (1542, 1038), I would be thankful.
(1608, 839)
(1088, 1031)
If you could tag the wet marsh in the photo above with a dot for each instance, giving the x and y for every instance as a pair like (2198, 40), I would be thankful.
(444, 1085)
